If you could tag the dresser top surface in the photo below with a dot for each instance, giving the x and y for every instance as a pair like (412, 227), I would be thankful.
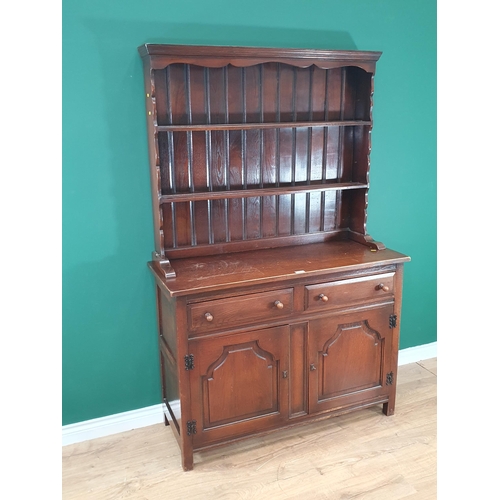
(218, 272)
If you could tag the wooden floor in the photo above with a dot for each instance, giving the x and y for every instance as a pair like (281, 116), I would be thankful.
(363, 455)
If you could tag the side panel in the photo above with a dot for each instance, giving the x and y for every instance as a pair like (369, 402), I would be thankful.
(169, 359)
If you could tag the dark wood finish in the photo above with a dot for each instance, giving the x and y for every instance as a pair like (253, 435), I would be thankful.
(253, 193)
(275, 305)
(253, 145)
(233, 311)
(258, 126)
(340, 293)
(238, 383)
(350, 357)
(273, 265)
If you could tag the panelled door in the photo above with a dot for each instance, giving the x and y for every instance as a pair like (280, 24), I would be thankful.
(349, 357)
(239, 383)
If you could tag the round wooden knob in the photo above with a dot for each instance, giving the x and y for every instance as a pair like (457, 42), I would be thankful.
(383, 287)
(209, 317)
(323, 297)
(279, 305)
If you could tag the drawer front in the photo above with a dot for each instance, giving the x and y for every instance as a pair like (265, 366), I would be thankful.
(343, 292)
(237, 311)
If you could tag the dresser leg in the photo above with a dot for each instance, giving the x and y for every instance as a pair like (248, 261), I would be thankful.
(187, 460)
(388, 408)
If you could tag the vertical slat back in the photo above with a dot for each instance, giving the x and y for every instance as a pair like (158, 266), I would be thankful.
(197, 161)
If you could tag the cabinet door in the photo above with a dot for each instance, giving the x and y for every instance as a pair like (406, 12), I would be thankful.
(350, 357)
(239, 383)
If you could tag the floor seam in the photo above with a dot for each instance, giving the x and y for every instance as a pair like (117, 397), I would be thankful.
(426, 368)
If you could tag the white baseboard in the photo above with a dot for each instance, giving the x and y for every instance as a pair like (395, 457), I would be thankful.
(418, 353)
(135, 419)
(112, 424)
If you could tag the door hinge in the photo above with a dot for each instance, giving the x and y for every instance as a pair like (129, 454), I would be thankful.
(191, 427)
(189, 361)
(392, 321)
(389, 378)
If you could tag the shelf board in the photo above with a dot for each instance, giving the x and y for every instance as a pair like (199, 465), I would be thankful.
(259, 126)
(257, 192)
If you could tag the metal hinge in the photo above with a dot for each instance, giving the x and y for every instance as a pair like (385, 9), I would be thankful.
(389, 379)
(191, 427)
(392, 321)
(189, 361)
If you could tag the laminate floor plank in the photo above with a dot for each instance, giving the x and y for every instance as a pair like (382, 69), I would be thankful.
(363, 455)
(429, 364)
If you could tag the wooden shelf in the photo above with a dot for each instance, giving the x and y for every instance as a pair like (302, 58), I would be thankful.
(257, 192)
(205, 127)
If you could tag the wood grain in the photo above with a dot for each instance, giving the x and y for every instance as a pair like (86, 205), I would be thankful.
(254, 130)
(272, 265)
(260, 159)
(363, 455)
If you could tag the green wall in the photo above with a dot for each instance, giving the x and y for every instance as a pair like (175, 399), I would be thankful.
(109, 325)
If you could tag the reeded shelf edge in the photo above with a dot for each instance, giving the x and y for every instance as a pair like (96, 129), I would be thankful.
(259, 126)
(258, 192)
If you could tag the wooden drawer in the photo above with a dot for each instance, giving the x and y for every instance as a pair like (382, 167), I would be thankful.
(343, 292)
(237, 311)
